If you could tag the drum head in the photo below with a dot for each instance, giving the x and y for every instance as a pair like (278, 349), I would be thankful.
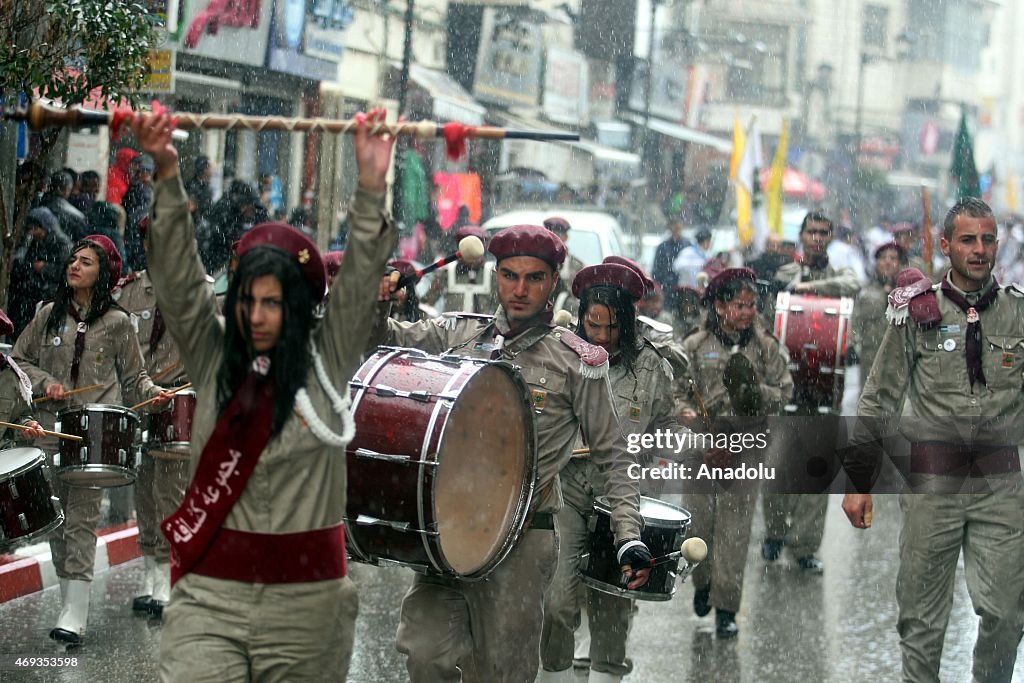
(655, 512)
(16, 459)
(487, 460)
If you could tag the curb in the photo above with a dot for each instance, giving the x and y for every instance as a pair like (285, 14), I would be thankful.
(30, 569)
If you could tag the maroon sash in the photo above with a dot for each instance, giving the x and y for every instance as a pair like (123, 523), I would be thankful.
(227, 462)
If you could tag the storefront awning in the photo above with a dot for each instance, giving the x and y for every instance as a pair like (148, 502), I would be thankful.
(451, 101)
(674, 130)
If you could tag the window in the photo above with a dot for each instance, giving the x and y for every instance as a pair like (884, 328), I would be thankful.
(875, 27)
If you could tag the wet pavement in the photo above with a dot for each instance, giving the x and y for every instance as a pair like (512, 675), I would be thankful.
(837, 627)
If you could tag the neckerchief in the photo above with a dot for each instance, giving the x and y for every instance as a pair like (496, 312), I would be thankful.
(157, 333)
(227, 461)
(973, 344)
(80, 329)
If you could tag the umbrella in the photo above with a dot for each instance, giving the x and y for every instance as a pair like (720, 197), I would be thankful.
(796, 184)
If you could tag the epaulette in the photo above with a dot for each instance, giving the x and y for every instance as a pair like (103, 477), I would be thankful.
(24, 383)
(130, 277)
(449, 320)
(1015, 289)
(593, 359)
(898, 309)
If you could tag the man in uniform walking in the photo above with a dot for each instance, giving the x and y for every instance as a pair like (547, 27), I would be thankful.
(954, 350)
(490, 630)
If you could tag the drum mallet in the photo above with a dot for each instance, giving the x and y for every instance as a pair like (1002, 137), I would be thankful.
(59, 435)
(694, 550)
(470, 247)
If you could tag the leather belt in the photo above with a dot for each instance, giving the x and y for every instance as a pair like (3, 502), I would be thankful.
(957, 460)
(303, 557)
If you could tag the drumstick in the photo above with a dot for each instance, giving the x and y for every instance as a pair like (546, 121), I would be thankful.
(868, 516)
(164, 372)
(157, 398)
(43, 399)
(59, 435)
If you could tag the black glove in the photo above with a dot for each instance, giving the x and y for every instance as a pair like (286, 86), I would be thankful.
(741, 384)
(635, 554)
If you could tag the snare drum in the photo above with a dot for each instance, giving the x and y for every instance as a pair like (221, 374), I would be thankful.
(442, 467)
(105, 457)
(28, 508)
(814, 329)
(664, 530)
(171, 429)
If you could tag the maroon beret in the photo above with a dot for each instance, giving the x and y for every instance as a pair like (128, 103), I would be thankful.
(725, 277)
(892, 245)
(469, 231)
(635, 267)
(528, 240)
(6, 326)
(295, 245)
(609, 274)
(404, 267)
(332, 261)
(557, 224)
(112, 254)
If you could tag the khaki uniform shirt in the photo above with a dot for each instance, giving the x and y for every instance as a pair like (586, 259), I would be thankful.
(828, 281)
(929, 368)
(15, 397)
(868, 323)
(112, 358)
(299, 483)
(137, 297)
(708, 356)
(572, 395)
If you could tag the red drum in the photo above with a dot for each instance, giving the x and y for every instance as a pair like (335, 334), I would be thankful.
(664, 530)
(106, 456)
(815, 329)
(28, 508)
(171, 429)
(443, 465)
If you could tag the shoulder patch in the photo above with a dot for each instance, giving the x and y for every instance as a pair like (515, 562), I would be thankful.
(589, 354)
(130, 277)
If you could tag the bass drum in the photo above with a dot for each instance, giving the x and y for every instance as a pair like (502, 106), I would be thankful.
(442, 468)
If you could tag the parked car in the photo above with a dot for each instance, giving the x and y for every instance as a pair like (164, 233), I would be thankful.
(595, 234)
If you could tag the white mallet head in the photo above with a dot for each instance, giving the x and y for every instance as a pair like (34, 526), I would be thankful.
(562, 318)
(694, 549)
(471, 248)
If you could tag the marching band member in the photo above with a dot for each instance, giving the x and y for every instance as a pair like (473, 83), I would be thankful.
(739, 370)
(642, 393)
(491, 629)
(80, 339)
(15, 394)
(260, 590)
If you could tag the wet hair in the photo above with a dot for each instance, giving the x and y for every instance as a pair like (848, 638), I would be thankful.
(410, 310)
(727, 293)
(968, 206)
(290, 360)
(101, 298)
(817, 217)
(620, 304)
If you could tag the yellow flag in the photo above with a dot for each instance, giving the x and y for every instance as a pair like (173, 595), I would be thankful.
(1011, 192)
(775, 182)
(739, 142)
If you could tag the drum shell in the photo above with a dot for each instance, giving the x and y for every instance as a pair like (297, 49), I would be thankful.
(106, 456)
(28, 508)
(599, 567)
(397, 461)
(815, 331)
(171, 429)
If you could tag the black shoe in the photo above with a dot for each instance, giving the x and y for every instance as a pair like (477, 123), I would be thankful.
(811, 565)
(725, 624)
(771, 548)
(69, 638)
(141, 603)
(700, 602)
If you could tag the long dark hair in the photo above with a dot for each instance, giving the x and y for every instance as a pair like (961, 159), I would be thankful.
(290, 359)
(101, 299)
(621, 304)
(410, 310)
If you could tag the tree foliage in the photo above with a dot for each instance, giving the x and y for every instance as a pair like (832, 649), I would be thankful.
(66, 50)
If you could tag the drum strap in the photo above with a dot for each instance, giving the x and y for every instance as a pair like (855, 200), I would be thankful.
(227, 461)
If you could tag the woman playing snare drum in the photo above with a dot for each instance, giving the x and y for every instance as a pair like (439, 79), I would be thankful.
(81, 339)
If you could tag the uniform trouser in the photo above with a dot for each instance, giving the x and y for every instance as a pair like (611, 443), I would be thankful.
(723, 520)
(608, 615)
(73, 544)
(488, 630)
(990, 530)
(159, 488)
(797, 519)
(217, 631)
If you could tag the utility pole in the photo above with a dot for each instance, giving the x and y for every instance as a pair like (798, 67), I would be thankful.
(403, 96)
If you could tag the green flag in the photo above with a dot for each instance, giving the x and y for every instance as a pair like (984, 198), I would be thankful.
(963, 169)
